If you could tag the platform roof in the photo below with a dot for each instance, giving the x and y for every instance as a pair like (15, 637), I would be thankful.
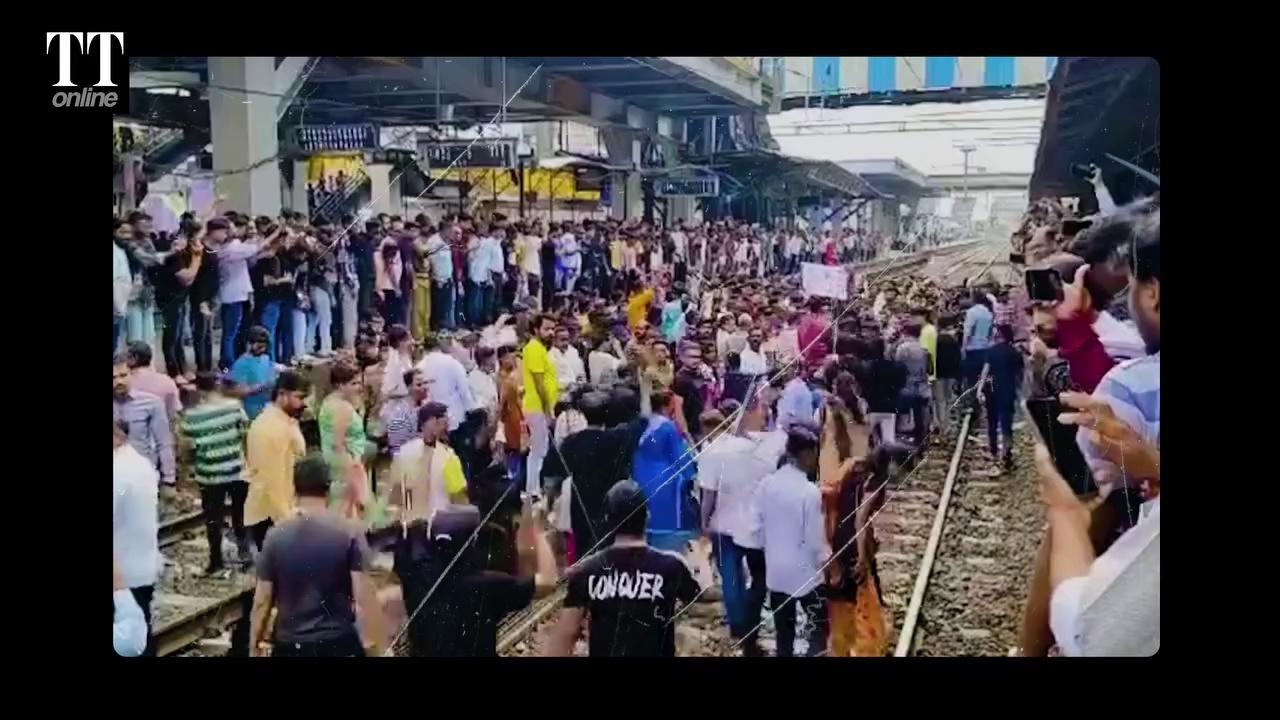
(404, 90)
(1098, 106)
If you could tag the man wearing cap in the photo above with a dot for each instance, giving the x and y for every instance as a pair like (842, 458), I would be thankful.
(628, 592)
(427, 474)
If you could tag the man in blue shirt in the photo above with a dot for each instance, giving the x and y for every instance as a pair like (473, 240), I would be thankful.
(254, 373)
(978, 321)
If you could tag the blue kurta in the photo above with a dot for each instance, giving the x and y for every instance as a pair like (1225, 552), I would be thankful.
(665, 470)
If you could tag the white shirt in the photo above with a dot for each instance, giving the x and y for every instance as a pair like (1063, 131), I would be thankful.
(493, 246)
(393, 376)
(567, 248)
(681, 243)
(478, 261)
(448, 384)
(129, 626)
(484, 390)
(440, 256)
(732, 468)
(727, 342)
(1121, 340)
(121, 281)
(753, 363)
(135, 521)
(794, 245)
(1114, 611)
(786, 521)
(568, 365)
(603, 367)
(796, 403)
(532, 261)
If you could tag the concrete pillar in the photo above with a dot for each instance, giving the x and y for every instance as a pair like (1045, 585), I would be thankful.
(244, 133)
(380, 175)
(623, 148)
(298, 193)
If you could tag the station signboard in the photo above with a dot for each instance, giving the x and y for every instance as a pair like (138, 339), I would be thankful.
(323, 138)
(687, 186)
(439, 154)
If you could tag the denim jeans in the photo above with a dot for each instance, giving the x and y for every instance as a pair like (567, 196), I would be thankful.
(1000, 420)
(392, 308)
(201, 338)
(478, 297)
(115, 338)
(442, 306)
(271, 310)
(299, 320)
(140, 323)
(320, 317)
(348, 303)
(232, 320)
(175, 319)
(972, 366)
(729, 560)
(284, 331)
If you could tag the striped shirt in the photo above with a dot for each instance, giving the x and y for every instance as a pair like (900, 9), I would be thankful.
(400, 417)
(216, 430)
(149, 433)
(1132, 390)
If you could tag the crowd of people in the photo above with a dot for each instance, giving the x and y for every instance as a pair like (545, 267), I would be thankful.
(512, 406)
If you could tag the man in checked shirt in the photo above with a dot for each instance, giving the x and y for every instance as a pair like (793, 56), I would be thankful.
(146, 419)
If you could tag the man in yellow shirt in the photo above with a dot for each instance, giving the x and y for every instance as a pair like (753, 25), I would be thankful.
(928, 338)
(274, 443)
(638, 305)
(540, 393)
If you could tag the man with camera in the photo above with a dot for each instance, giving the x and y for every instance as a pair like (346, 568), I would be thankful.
(1119, 425)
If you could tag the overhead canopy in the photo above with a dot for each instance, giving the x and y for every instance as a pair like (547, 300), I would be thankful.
(1099, 106)
(768, 169)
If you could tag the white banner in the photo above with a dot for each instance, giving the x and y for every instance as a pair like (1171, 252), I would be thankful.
(825, 280)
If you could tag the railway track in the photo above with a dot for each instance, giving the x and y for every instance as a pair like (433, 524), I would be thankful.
(958, 552)
(189, 607)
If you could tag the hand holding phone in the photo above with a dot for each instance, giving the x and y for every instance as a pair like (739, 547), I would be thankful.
(1060, 441)
(1044, 285)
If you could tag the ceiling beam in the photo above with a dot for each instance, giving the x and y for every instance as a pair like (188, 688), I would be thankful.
(628, 83)
(590, 68)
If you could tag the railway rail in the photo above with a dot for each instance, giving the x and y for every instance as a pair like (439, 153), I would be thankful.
(972, 540)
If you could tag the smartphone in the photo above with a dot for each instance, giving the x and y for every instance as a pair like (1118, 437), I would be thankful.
(1060, 439)
(1017, 258)
(1044, 284)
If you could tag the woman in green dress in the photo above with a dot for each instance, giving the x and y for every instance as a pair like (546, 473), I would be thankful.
(343, 442)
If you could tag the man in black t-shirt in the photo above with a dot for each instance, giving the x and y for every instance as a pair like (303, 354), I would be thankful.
(629, 591)
(454, 604)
